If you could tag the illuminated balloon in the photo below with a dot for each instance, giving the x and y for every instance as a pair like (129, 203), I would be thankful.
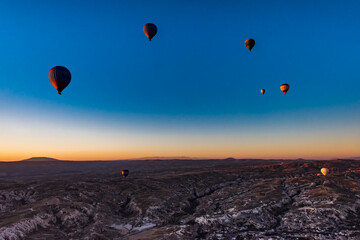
(60, 78)
(249, 43)
(262, 91)
(125, 172)
(150, 30)
(324, 171)
(284, 87)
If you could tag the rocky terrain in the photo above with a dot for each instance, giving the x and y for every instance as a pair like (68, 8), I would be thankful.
(180, 199)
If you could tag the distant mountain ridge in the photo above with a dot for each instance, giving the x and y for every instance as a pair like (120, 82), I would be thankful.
(48, 159)
(40, 159)
(167, 158)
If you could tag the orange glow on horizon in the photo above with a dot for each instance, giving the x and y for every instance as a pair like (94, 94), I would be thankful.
(70, 140)
(211, 150)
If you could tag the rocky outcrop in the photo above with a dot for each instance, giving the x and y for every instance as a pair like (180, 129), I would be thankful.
(281, 201)
(22, 228)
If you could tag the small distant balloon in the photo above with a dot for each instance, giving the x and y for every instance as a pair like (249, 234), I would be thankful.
(125, 172)
(262, 91)
(284, 87)
(249, 43)
(324, 171)
(59, 77)
(150, 30)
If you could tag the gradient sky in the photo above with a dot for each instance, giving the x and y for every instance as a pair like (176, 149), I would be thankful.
(193, 91)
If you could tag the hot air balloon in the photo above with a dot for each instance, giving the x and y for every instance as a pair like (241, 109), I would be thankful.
(262, 91)
(324, 171)
(150, 30)
(284, 87)
(59, 77)
(125, 172)
(249, 43)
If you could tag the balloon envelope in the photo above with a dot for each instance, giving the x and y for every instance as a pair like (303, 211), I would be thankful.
(150, 30)
(284, 87)
(59, 77)
(249, 43)
(324, 171)
(262, 91)
(125, 172)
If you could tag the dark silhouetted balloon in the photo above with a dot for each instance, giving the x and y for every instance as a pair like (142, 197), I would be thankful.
(150, 30)
(125, 172)
(262, 91)
(284, 87)
(249, 43)
(59, 77)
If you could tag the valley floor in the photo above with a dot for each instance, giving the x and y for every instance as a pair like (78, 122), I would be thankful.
(266, 200)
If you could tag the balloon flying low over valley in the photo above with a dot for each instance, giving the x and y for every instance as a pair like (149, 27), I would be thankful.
(193, 90)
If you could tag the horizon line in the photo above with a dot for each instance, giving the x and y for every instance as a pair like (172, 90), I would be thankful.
(181, 158)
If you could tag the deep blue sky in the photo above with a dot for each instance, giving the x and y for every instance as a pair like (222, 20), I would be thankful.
(196, 72)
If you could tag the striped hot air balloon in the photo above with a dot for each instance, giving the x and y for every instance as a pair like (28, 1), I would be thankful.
(59, 77)
(150, 30)
(284, 87)
(249, 43)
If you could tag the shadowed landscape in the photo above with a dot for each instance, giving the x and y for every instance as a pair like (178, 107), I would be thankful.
(44, 198)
